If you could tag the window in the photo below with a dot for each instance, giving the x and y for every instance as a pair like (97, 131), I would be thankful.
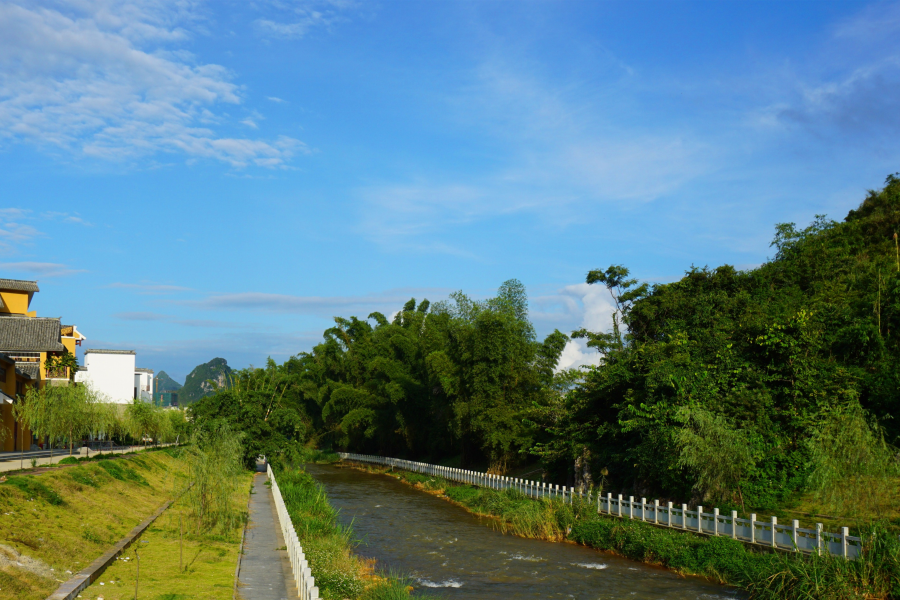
(3, 374)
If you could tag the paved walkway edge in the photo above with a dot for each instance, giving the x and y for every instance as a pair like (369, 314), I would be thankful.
(237, 568)
(87, 576)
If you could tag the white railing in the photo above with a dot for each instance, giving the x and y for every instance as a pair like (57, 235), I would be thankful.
(764, 533)
(306, 584)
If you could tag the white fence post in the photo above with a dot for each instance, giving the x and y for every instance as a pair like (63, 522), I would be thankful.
(795, 524)
(543, 490)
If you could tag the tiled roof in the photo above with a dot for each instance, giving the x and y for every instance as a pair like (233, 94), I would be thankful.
(30, 334)
(140, 370)
(99, 351)
(31, 369)
(19, 285)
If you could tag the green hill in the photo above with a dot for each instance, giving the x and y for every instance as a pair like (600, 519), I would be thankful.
(164, 383)
(197, 383)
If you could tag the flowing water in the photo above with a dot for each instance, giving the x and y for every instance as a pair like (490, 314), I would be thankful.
(454, 554)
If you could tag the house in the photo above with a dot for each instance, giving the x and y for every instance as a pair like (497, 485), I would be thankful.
(26, 343)
(14, 383)
(143, 384)
(110, 373)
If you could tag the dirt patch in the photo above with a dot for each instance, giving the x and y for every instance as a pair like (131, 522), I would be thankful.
(12, 558)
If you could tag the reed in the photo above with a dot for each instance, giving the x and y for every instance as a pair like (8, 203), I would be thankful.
(214, 466)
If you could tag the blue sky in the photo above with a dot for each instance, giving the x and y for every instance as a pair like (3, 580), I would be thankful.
(197, 179)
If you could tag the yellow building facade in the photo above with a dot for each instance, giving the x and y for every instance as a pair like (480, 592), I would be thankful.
(26, 342)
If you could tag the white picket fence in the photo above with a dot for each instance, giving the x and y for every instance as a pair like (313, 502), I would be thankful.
(764, 533)
(306, 584)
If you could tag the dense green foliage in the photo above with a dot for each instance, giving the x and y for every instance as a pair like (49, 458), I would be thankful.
(435, 381)
(769, 353)
(735, 387)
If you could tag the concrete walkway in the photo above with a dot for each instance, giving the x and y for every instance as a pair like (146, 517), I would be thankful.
(265, 571)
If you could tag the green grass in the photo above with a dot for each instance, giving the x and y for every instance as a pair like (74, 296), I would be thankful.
(207, 569)
(328, 545)
(65, 518)
(765, 575)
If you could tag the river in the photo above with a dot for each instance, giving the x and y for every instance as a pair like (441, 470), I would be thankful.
(453, 554)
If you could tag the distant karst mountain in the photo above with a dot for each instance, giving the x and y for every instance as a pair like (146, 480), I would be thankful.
(197, 384)
(164, 383)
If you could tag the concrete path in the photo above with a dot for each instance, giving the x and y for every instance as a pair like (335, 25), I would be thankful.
(13, 461)
(265, 571)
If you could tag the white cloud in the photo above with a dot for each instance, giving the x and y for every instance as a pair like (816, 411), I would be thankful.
(104, 79)
(577, 354)
(42, 269)
(574, 307)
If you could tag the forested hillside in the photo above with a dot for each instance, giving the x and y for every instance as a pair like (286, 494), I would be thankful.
(204, 380)
(164, 383)
(737, 385)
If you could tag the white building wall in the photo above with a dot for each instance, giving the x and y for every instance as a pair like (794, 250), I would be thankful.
(110, 374)
(143, 381)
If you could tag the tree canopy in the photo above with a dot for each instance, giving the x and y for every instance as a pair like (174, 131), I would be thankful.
(722, 384)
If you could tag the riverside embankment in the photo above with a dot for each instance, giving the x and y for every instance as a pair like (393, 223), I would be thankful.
(451, 553)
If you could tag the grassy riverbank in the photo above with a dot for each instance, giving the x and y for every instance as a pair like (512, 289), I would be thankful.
(764, 575)
(56, 522)
(328, 545)
(202, 566)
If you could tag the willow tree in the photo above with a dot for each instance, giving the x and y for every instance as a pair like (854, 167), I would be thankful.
(57, 412)
(143, 419)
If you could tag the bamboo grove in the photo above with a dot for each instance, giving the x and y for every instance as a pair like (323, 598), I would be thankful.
(744, 386)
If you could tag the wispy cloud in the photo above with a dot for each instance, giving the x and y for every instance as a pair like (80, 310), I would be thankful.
(851, 90)
(296, 19)
(560, 151)
(152, 316)
(313, 305)
(65, 217)
(14, 233)
(151, 288)
(105, 80)
(41, 269)
(874, 23)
